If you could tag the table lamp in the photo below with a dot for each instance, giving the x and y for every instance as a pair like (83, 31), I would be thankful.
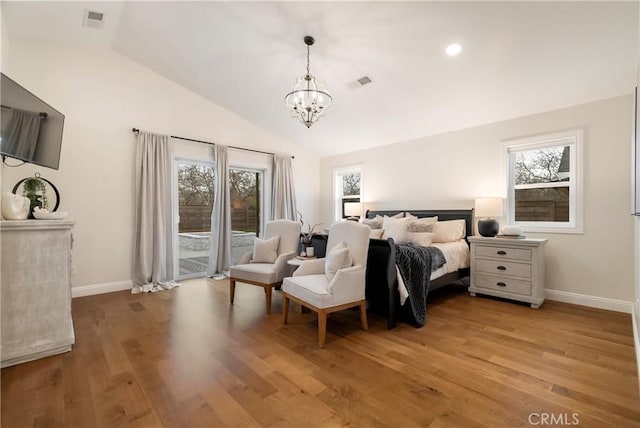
(487, 209)
(353, 210)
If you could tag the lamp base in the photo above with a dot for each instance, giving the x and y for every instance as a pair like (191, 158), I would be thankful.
(488, 227)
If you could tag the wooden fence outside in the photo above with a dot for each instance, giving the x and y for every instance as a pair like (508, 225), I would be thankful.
(197, 218)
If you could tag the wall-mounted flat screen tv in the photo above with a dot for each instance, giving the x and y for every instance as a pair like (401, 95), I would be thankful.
(31, 129)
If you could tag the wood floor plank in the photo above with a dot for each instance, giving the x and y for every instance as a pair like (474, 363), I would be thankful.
(186, 358)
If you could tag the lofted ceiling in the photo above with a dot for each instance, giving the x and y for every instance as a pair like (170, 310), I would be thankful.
(517, 58)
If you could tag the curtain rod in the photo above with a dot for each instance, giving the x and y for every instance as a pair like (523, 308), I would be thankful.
(136, 130)
(42, 114)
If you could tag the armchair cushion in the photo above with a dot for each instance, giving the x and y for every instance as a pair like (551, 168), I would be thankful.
(265, 250)
(263, 273)
(338, 258)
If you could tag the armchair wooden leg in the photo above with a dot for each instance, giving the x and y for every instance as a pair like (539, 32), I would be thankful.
(322, 327)
(363, 315)
(267, 292)
(232, 289)
(285, 308)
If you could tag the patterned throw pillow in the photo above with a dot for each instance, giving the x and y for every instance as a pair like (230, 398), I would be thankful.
(424, 224)
(373, 223)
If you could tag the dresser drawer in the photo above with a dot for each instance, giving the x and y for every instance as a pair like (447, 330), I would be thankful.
(492, 282)
(504, 253)
(503, 267)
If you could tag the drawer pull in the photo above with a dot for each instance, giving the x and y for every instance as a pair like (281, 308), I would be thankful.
(501, 268)
(502, 253)
(501, 284)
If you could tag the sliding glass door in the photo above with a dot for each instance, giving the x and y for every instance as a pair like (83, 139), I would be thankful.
(246, 209)
(195, 186)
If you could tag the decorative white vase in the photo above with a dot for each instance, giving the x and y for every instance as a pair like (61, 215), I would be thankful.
(15, 207)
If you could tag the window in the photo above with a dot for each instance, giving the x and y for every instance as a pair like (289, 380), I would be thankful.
(347, 190)
(545, 183)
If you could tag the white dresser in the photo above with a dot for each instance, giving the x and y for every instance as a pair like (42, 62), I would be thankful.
(508, 268)
(35, 289)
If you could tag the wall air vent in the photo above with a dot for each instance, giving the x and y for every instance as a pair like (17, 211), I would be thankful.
(93, 19)
(364, 80)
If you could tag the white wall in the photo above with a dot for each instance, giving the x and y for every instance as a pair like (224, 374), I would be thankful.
(636, 224)
(103, 95)
(450, 170)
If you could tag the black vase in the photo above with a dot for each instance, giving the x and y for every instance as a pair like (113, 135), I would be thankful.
(488, 227)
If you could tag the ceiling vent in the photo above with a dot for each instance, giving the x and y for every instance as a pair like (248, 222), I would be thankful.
(93, 19)
(364, 80)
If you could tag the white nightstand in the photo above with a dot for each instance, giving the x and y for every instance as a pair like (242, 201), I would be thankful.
(509, 268)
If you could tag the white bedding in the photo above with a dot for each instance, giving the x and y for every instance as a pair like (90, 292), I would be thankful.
(456, 255)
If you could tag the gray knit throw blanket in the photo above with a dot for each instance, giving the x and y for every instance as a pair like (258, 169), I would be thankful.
(415, 265)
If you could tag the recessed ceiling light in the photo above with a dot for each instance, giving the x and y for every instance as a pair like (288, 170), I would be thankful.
(453, 49)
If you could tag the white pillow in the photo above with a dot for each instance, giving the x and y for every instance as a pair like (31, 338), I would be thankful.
(338, 258)
(422, 239)
(393, 226)
(265, 250)
(449, 231)
(373, 223)
(424, 224)
(376, 233)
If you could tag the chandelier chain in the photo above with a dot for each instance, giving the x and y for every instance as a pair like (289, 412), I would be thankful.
(308, 60)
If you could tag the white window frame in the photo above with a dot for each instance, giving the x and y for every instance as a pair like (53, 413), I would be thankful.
(337, 188)
(573, 138)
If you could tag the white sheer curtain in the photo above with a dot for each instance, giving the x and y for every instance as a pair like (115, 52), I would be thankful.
(153, 263)
(283, 195)
(220, 253)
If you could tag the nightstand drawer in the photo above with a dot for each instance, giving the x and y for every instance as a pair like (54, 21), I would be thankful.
(502, 267)
(504, 253)
(503, 284)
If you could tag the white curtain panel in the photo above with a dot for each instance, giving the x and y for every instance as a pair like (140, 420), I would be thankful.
(153, 250)
(21, 135)
(283, 195)
(220, 253)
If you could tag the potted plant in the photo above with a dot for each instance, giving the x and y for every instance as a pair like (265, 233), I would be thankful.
(36, 190)
(310, 231)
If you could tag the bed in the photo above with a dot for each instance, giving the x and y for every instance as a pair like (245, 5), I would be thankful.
(382, 293)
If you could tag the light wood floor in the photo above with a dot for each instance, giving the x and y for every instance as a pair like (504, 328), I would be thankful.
(185, 358)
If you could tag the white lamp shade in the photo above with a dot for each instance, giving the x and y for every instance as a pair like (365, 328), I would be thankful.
(352, 209)
(488, 207)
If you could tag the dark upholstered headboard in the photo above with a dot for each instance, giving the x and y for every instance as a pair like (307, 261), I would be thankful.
(443, 215)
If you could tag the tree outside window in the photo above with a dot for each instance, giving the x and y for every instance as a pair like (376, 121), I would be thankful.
(347, 188)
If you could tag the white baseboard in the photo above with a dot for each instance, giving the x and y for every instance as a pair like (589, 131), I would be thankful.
(590, 301)
(105, 287)
(635, 313)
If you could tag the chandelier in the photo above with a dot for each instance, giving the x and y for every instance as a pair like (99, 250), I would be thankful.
(309, 99)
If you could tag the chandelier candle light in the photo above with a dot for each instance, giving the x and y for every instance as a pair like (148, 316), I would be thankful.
(309, 99)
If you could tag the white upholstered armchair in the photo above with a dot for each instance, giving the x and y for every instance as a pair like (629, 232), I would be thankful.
(266, 265)
(335, 282)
